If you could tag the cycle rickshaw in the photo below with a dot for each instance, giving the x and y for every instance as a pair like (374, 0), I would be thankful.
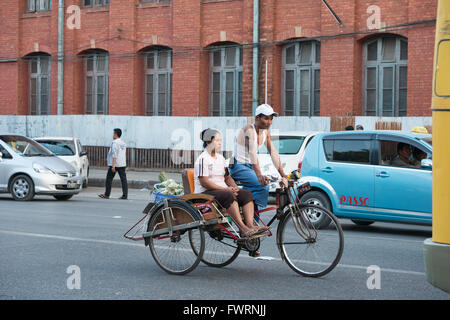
(186, 230)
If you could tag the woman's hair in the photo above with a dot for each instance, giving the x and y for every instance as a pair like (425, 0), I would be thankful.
(208, 135)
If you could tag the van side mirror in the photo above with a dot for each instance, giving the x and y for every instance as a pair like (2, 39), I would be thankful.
(426, 164)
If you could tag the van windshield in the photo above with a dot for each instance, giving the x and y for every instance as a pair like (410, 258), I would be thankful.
(285, 144)
(25, 147)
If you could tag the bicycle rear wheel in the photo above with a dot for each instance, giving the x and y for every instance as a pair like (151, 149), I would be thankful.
(309, 251)
(220, 248)
(173, 252)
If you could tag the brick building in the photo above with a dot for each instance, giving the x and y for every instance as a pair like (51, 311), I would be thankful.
(195, 57)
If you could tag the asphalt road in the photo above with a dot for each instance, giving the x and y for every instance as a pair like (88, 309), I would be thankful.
(40, 240)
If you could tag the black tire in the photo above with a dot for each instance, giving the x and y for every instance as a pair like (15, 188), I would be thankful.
(22, 188)
(63, 197)
(220, 248)
(290, 242)
(362, 222)
(160, 253)
(318, 198)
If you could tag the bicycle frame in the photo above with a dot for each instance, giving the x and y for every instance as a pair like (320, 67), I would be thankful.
(280, 204)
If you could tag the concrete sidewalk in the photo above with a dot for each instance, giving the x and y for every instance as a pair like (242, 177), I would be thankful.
(136, 179)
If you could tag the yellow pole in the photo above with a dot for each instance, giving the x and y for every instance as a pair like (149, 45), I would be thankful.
(437, 249)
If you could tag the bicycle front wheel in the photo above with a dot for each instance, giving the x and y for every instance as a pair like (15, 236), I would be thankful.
(309, 251)
(172, 251)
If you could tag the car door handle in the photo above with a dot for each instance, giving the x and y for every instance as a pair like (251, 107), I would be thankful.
(383, 174)
(327, 169)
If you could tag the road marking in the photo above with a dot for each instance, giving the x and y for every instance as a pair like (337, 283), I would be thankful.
(48, 236)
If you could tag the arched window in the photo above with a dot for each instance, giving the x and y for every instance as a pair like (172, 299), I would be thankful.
(96, 70)
(385, 76)
(225, 93)
(158, 82)
(301, 79)
(39, 66)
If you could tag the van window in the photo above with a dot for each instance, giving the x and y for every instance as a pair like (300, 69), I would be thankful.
(285, 145)
(343, 150)
(389, 156)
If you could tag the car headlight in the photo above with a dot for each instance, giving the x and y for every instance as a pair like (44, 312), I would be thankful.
(41, 169)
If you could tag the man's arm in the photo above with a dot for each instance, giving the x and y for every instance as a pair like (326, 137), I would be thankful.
(115, 149)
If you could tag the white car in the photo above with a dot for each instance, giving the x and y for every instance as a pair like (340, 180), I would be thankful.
(291, 146)
(70, 150)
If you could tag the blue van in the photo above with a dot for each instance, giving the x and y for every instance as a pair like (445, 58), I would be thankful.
(369, 176)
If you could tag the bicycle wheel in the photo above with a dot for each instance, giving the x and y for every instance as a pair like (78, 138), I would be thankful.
(173, 253)
(220, 248)
(309, 251)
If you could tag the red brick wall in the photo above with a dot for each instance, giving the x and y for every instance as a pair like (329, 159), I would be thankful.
(125, 28)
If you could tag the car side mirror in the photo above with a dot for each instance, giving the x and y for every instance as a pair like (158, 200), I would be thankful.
(426, 164)
(83, 153)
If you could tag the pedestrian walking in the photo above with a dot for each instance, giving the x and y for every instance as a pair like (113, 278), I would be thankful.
(117, 163)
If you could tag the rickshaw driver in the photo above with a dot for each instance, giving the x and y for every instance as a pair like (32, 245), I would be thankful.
(244, 165)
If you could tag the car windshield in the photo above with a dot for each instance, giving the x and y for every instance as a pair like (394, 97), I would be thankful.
(26, 147)
(285, 144)
(59, 147)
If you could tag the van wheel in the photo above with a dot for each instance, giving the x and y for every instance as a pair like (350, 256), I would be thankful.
(319, 199)
(22, 188)
(362, 222)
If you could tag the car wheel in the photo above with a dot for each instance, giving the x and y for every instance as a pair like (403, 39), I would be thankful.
(22, 188)
(317, 198)
(362, 222)
(63, 197)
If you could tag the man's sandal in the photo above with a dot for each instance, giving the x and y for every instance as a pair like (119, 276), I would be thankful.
(103, 196)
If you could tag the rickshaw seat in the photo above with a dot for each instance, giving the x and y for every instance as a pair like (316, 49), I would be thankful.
(188, 181)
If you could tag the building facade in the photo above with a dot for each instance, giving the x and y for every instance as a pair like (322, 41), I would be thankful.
(195, 57)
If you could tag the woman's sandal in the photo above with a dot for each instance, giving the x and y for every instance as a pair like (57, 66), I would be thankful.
(261, 229)
(247, 234)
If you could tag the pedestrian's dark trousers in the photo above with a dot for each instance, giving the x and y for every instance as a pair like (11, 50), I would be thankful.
(123, 179)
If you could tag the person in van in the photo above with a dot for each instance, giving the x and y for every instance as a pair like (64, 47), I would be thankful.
(403, 157)
(418, 156)
(212, 177)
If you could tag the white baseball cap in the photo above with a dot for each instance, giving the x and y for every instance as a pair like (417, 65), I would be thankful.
(266, 110)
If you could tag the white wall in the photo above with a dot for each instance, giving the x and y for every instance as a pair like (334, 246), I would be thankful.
(168, 132)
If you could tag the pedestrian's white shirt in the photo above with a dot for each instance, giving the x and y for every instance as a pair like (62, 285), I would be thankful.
(118, 150)
(207, 166)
